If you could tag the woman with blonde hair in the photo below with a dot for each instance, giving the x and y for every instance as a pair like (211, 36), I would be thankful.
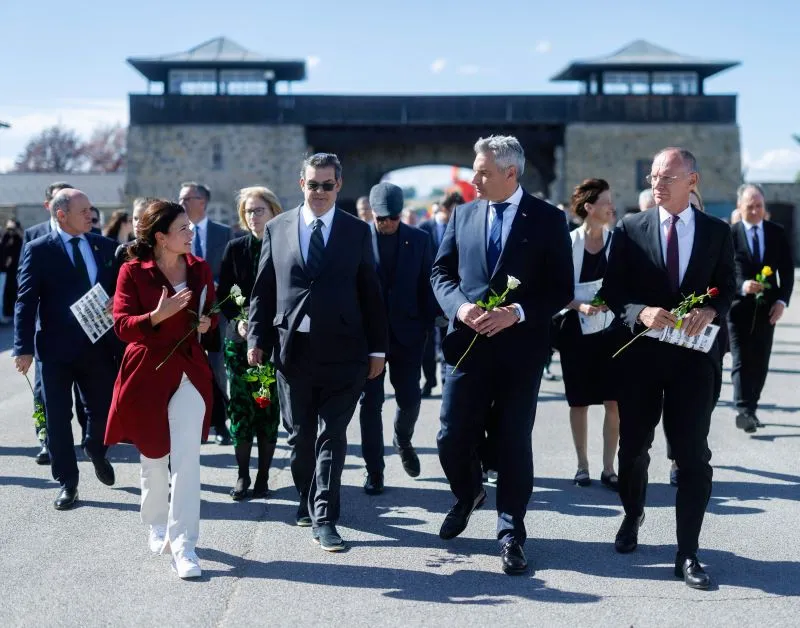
(257, 206)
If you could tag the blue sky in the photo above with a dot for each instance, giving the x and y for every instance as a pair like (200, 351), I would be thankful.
(67, 62)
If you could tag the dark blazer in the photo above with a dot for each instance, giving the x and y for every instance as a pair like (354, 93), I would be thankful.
(637, 275)
(411, 305)
(777, 255)
(538, 252)
(48, 286)
(216, 240)
(238, 267)
(344, 300)
(36, 231)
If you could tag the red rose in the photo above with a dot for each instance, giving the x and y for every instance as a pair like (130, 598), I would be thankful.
(262, 402)
(713, 292)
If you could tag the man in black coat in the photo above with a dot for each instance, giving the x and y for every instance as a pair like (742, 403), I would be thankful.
(756, 309)
(658, 257)
(403, 257)
(505, 239)
(317, 309)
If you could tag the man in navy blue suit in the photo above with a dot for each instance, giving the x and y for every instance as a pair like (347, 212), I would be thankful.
(56, 270)
(504, 233)
(403, 258)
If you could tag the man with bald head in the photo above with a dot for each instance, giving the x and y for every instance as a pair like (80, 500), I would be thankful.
(57, 269)
(658, 256)
(756, 308)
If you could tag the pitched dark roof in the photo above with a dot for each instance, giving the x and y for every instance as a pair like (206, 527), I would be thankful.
(642, 55)
(218, 53)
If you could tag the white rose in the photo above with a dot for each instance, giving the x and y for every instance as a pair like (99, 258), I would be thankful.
(513, 283)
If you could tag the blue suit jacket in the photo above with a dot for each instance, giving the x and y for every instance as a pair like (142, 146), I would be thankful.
(538, 252)
(48, 285)
(411, 305)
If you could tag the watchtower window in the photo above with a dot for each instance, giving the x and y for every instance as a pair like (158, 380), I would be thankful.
(245, 82)
(684, 83)
(193, 82)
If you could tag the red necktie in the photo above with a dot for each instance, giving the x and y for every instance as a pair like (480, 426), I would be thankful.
(673, 262)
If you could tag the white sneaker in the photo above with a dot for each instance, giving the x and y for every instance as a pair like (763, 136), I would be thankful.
(186, 565)
(158, 539)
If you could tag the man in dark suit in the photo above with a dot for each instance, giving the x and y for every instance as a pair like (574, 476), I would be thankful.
(210, 240)
(751, 322)
(317, 309)
(31, 233)
(403, 257)
(435, 228)
(56, 271)
(504, 236)
(659, 256)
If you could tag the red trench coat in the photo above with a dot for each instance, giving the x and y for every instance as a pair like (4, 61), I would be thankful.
(141, 394)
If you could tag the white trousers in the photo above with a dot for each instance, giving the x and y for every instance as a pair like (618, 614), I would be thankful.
(181, 514)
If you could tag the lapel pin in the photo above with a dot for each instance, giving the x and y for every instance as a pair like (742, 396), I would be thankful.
(524, 215)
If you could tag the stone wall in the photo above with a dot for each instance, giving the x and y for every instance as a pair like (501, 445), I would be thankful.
(786, 194)
(619, 152)
(224, 157)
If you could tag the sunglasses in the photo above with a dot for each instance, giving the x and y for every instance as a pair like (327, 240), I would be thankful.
(328, 186)
(95, 221)
(385, 218)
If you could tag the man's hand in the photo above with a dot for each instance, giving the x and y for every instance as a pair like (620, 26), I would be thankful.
(255, 356)
(376, 365)
(110, 305)
(591, 310)
(775, 312)
(469, 313)
(696, 320)
(657, 318)
(23, 363)
(491, 323)
(752, 287)
(204, 324)
(241, 328)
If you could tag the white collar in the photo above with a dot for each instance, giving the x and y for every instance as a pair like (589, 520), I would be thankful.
(749, 225)
(309, 216)
(514, 199)
(686, 216)
(201, 225)
(67, 237)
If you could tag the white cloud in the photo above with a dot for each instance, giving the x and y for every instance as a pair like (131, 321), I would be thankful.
(313, 61)
(82, 115)
(776, 164)
(543, 47)
(438, 65)
(468, 70)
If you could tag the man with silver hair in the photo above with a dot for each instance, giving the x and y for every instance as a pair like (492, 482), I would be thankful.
(758, 305)
(505, 242)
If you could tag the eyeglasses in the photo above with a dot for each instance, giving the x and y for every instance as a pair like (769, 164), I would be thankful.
(654, 179)
(328, 186)
(190, 198)
(95, 221)
(385, 218)
(258, 211)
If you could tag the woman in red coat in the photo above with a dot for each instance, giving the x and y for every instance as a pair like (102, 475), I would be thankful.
(164, 410)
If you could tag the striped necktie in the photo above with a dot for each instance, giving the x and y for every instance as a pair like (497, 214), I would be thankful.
(316, 247)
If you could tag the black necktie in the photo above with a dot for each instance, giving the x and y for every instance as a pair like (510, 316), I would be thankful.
(756, 246)
(316, 247)
(673, 259)
(198, 243)
(80, 264)
(495, 246)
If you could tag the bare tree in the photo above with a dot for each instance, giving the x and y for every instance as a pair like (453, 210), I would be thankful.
(56, 149)
(106, 150)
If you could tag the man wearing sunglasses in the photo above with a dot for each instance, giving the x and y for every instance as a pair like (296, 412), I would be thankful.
(96, 221)
(403, 256)
(317, 309)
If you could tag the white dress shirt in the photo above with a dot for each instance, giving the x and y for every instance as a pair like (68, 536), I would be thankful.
(508, 219)
(685, 229)
(86, 252)
(201, 230)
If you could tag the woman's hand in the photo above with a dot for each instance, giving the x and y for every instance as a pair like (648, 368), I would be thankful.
(241, 327)
(169, 306)
(204, 325)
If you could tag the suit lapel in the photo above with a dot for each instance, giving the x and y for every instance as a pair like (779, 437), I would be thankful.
(740, 233)
(375, 253)
(294, 238)
(98, 259)
(475, 234)
(700, 240)
(654, 239)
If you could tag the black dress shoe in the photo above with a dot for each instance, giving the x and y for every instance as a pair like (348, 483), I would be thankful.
(104, 471)
(373, 485)
(693, 574)
(628, 536)
(457, 519)
(222, 439)
(427, 391)
(759, 424)
(410, 460)
(328, 538)
(747, 422)
(303, 519)
(43, 457)
(513, 558)
(239, 492)
(66, 499)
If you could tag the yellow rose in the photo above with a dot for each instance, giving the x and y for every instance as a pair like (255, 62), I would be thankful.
(766, 271)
